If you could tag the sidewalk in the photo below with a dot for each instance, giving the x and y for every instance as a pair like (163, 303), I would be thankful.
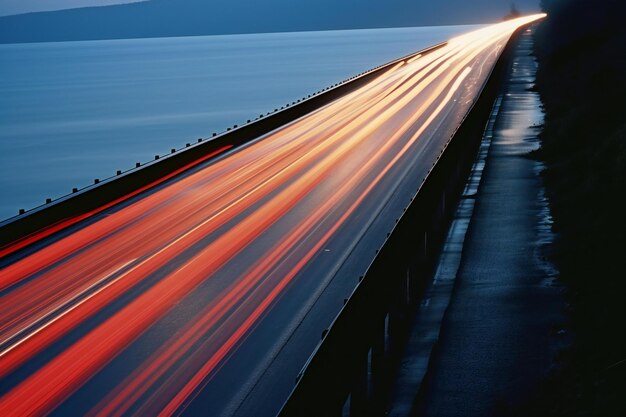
(498, 335)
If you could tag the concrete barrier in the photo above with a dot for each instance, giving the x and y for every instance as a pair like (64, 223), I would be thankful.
(351, 371)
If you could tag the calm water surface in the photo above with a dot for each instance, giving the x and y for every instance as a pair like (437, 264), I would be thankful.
(74, 111)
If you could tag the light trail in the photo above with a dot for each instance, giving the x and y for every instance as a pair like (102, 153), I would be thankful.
(239, 231)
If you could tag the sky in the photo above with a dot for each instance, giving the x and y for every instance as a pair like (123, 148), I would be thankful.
(8, 7)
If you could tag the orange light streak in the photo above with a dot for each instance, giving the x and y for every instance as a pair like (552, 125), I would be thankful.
(184, 234)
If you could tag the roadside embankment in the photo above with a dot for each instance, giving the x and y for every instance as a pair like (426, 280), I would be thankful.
(582, 62)
(500, 332)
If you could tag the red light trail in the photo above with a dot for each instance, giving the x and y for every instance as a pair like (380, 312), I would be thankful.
(242, 229)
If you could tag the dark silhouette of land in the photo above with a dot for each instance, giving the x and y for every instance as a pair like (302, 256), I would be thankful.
(581, 80)
(160, 18)
(514, 13)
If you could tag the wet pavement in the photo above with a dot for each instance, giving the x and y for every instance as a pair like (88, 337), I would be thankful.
(498, 336)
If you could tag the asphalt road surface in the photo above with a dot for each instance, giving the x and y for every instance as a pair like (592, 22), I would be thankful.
(206, 295)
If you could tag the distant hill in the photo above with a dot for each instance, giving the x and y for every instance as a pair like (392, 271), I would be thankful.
(158, 18)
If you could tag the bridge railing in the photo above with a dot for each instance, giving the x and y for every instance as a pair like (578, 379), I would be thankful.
(83, 203)
(351, 371)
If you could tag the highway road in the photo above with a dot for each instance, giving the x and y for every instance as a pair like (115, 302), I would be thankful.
(207, 294)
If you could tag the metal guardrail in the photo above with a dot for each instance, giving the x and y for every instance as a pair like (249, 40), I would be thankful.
(351, 369)
(58, 214)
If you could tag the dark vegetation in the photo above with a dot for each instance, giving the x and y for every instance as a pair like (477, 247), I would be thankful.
(160, 18)
(581, 49)
(514, 13)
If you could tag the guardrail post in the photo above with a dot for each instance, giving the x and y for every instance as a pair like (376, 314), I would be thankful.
(394, 326)
(377, 366)
(416, 279)
(358, 396)
(405, 294)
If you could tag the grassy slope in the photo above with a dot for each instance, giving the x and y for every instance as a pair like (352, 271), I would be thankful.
(582, 80)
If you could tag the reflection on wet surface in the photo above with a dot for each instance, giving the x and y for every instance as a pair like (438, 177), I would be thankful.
(182, 299)
(497, 340)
